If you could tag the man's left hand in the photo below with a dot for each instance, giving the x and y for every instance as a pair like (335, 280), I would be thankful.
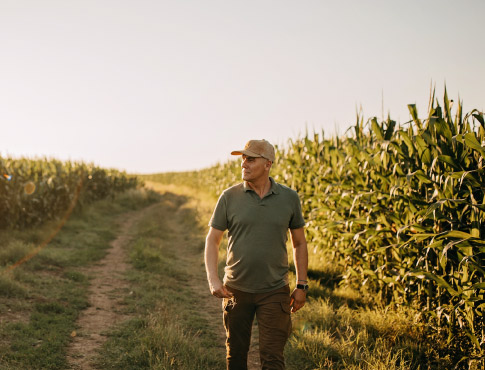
(298, 298)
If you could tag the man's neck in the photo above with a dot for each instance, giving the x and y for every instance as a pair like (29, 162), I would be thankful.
(260, 187)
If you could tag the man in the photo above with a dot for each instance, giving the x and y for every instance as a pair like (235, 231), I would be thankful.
(257, 214)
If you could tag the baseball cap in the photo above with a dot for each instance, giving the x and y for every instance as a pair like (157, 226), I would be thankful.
(257, 148)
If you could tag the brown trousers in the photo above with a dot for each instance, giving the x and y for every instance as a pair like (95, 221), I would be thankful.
(273, 313)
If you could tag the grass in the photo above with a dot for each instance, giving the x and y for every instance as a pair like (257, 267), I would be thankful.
(342, 328)
(41, 299)
(170, 324)
(332, 337)
(167, 327)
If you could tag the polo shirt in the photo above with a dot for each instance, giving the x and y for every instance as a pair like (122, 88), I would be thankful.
(257, 259)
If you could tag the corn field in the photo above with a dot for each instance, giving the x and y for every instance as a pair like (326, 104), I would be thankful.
(33, 191)
(401, 209)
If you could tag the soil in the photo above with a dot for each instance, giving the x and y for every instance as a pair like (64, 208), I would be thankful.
(105, 299)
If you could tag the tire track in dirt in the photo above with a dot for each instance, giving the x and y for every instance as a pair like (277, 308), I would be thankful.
(210, 307)
(106, 294)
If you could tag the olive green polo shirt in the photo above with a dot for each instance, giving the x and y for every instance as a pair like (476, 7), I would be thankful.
(257, 260)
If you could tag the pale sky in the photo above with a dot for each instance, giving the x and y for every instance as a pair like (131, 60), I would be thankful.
(152, 85)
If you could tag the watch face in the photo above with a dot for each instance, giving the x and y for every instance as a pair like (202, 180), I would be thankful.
(302, 286)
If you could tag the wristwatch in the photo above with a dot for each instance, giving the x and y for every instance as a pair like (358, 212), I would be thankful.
(302, 287)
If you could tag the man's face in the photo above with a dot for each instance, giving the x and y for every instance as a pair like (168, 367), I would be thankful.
(254, 168)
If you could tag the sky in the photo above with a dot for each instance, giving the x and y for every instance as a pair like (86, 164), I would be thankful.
(152, 86)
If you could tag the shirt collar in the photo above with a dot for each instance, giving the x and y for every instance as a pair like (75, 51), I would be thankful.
(272, 190)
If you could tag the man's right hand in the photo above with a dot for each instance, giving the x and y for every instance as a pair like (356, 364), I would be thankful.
(219, 290)
(212, 242)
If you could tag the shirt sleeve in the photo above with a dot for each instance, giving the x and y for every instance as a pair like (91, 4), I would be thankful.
(297, 220)
(219, 217)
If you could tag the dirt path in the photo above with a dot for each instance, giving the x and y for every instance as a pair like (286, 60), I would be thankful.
(210, 306)
(194, 265)
(108, 289)
(105, 297)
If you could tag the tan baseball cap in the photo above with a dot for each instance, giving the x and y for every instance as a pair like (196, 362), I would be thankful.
(257, 148)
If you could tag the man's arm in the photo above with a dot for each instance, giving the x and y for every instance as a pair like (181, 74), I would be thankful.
(300, 257)
(212, 242)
